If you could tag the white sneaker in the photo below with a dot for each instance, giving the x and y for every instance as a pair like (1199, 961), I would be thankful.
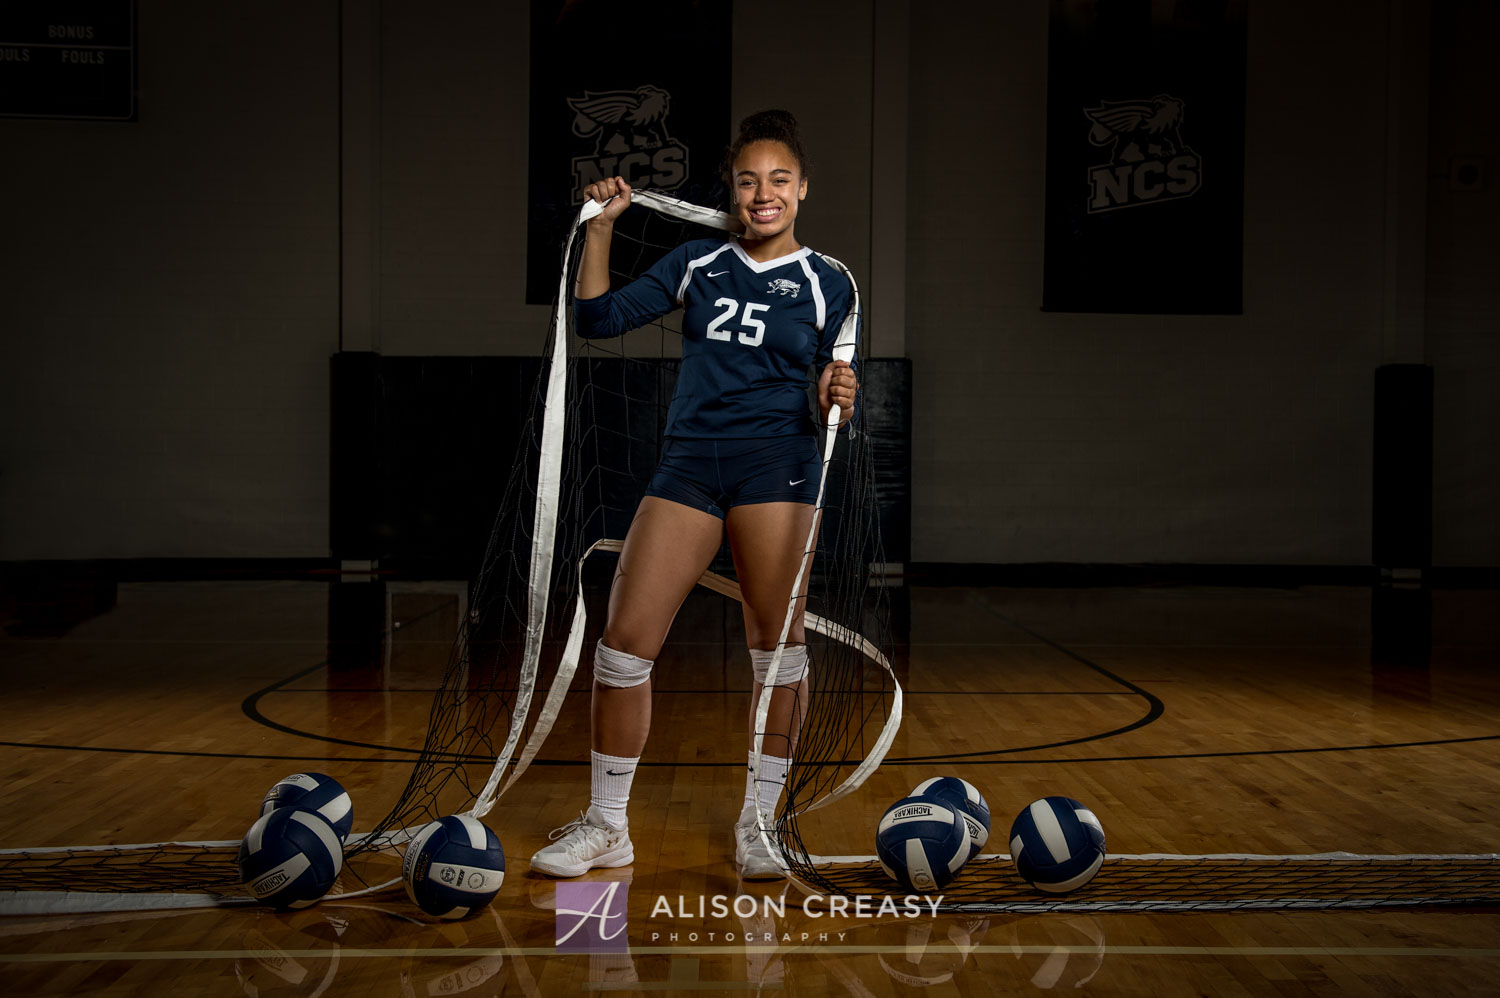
(763, 963)
(750, 853)
(583, 844)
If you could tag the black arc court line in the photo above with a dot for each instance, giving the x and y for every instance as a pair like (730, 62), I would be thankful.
(198, 753)
(1155, 707)
(1164, 757)
(250, 706)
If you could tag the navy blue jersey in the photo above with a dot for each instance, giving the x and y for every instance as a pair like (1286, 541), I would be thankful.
(750, 333)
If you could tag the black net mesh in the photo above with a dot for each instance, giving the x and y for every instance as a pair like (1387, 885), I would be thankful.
(491, 702)
(617, 395)
(1166, 883)
(158, 868)
(490, 713)
(1209, 883)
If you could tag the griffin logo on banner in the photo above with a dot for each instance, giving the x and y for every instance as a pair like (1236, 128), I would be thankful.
(1148, 163)
(629, 129)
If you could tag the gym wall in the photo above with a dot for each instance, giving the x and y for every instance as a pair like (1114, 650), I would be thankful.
(173, 287)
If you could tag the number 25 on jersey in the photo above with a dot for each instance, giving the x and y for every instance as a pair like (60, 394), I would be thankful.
(747, 320)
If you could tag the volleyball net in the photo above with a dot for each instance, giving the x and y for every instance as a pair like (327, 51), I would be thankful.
(588, 445)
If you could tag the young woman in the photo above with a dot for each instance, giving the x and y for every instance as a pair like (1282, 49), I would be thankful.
(741, 456)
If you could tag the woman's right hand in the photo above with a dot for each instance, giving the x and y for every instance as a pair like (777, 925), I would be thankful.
(603, 191)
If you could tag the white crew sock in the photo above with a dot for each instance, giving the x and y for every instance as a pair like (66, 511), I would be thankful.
(767, 786)
(609, 790)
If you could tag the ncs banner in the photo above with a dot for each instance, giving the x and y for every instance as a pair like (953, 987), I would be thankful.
(1145, 156)
(617, 91)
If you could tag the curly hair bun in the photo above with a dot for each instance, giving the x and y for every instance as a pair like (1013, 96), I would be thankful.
(772, 125)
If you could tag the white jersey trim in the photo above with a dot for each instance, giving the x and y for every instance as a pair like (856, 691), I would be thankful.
(817, 291)
(694, 264)
(780, 261)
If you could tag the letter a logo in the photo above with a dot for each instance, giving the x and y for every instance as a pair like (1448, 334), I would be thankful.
(591, 918)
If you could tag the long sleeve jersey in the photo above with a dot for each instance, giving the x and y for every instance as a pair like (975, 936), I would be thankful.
(751, 331)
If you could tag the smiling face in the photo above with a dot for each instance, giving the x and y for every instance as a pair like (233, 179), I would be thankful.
(767, 189)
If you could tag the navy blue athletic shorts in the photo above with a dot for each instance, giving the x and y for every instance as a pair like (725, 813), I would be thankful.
(716, 475)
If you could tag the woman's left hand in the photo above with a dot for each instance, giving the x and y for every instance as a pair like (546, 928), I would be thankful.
(837, 386)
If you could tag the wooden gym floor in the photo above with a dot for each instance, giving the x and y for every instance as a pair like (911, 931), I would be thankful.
(166, 717)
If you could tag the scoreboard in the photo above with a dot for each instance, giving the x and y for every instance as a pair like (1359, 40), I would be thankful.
(68, 59)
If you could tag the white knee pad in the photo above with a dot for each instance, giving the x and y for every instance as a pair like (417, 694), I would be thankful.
(791, 670)
(620, 669)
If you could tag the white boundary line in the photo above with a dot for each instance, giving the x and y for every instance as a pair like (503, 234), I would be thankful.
(353, 840)
(119, 848)
(66, 902)
(461, 952)
(78, 902)
(1351, 857)
(815, 623)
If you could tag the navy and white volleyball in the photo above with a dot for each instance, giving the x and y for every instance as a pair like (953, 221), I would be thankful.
(969, 800)
(922, 842)
(313, 792)
(290, 857)
(453, 866)
(1057, 844)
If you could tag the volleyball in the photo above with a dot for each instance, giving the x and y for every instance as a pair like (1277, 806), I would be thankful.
(922, 842)
(1055, 952)
(313, 792)
(302, 963)
(290, 857)
(1057, 844)
(921, 953)
(453, 866)
(473, 965)
(969, 800)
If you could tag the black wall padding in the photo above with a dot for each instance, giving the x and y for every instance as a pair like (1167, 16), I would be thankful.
(1402, 492)
(422, 448)
(886, 386)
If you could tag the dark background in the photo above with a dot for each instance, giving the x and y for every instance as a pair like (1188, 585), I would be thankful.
(308, 180)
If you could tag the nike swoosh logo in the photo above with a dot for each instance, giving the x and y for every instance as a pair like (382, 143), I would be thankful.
(797, 482)
(626, 772)
(719, 273)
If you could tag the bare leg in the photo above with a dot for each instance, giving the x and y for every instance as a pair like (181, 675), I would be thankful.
(666, 551)
(768, 540)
